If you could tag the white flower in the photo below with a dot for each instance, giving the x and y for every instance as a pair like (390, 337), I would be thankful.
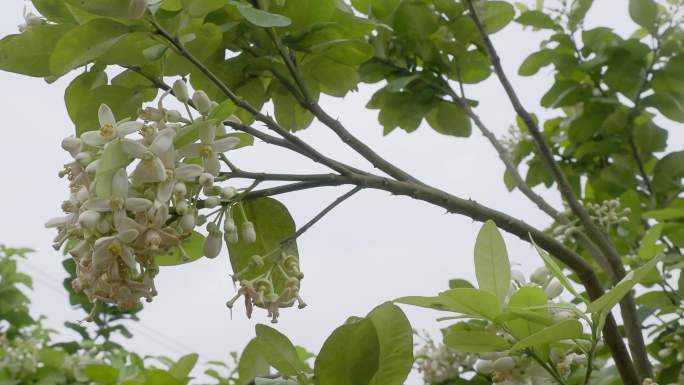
(209, 148)
(109, 128)
(107, 250)
(119, 199)
(151, 168)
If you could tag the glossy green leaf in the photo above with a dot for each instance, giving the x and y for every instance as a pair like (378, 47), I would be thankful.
(334, 78)
(523, 298)
(261, 18)
(193, 249)
(29, 53)
(669, 104)
(395, 338)
(349, 356)
(450, 119)
(288, 112)
(497, 15)
(109, 8)
(278, 351)
(223, 111)
(85, 43)
(252, 364)
(54, 10)
(643, 12)
(492, 267)
(536, 61)
(78, 91)
(414, 18)
(537, 19)
(305, 13)
(474, 302)
(199, 8)
(475, 341)
(101, 373)
(568, 329)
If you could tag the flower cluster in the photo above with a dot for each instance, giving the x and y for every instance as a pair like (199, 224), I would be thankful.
(134, 198)
(438, 363)
(605, 214)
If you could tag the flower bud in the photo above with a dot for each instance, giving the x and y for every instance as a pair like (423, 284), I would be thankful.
(83, 158)
(180, 90)
(206, 179)
(248, 233)
(228, 192)
(202, 102)
(136, 9)
(201, 219)
(187, 222)
(554, 289)
(212, 244)
(504, 364)
(180, 189)
(540, 276)
(173, 116)
(89, 219)
(212, 202)
(181, 207)
(484, 366)
(258, 261)
(72, 144)
(231, 237)
(229, 225)
(518, 277)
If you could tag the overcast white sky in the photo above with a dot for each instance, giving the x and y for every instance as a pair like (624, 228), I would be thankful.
(371, 249)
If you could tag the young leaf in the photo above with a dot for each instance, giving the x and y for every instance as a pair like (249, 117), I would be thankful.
(182, 368)
(525, 297)
(450, 119)
(395, 338)
(606, 302)
(261, 18)
(252, 364)
(643, 12)
(492, 268)
(564, 330)
(475, 341)
(192, 246)
(278, 351)
(474, 302)
(349, 356)
(555, 270)
(29, 53)
(113, 159)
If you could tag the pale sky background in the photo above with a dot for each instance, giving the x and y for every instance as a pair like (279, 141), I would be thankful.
(371, 249)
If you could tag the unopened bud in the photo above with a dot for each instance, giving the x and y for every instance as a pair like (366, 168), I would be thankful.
(484, 366)
(187, 222)
(231, 237)
(258, 260)
(554, 289)
(206, 179)
(89, 219)
(540, 275)
(228, 192)
(180, 90)
(71, 144)
(248, 233)
(181, 207)
(180, 189)
(136, 9)
(229, 225)
(212, 202)
(504, 364)
(212, 244)
(173, 116)
(202, 102)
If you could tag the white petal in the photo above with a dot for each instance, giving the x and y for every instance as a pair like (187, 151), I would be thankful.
(127, 236)
(102, 243)
(188, 172)
(98, 204)
(149, 171)
(126, 128)
(123, 223)
(54, 222)
(191, 150)
(106, 116)
(133, 148)
(120, 183)
(225, 144)
(93, 138)
(163, 141)
(128, 257)
(137, 204)
(207, 133)
(89, 219)
(101, 258)
(165, 190)
(212, 165)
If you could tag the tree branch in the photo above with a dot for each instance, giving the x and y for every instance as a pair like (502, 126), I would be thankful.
(632, 325)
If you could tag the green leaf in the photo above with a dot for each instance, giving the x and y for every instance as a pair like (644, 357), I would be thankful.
(223, 111)
(537, 19)
(78, 91)
(492, 268)
(474, 302)
(288, 112)
(272, 224)
(450, 119)
(523, 298)
(568, 329)
(669, 104)
(643, 12)
(190, 133)
(261, 18)
(349, 356)
(664, 214)
(101, 373)
(395, 338)
(199, 8)
(252, 364)
(475, 341)
(124, 101)
(54, 10)
(193, 249)
(333, 78)
(29, 53)
(609, 299)
(414, 18)
(109, 8)
(305, 13)
(278, 351)
(52, 357)
(205, 40)
(113, 159)
(555, 270)
(182, 368)
(497, 15)
(473, 66)
(85, 43)
(536, 61)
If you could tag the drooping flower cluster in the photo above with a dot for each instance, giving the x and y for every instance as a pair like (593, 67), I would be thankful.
(135, 193)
